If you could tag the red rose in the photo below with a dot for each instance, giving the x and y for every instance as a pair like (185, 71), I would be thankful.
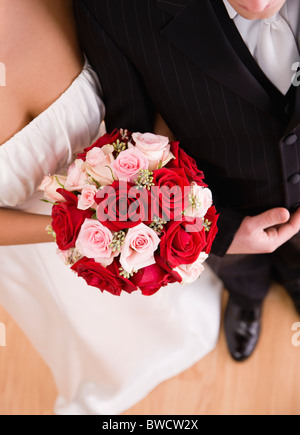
(187, 163)
(121, 206)
(67, 220)
(105, 279)
(150, 279)
(170, 195)
(106, 139)
(212, 218)
(183, 241)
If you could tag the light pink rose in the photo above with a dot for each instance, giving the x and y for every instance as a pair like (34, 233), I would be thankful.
(191, 272)
(99, 164)
(138, 250)
(87, 198)
(49, 186)
(156, 148)
(94, 241)
(96, 156)
(129, 163)
(200, 201)
(77, 177)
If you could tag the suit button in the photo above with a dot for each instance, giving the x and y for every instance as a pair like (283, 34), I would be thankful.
(291, 139)
(294, 179)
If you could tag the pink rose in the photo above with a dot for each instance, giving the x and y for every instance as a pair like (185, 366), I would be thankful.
(156, 148)
(129, 163)
(138, 250)
(94, 241)
(200, 199)
(191, 272)
(87, 198)
(97, 155)
(104, 140)
(98, 164)
(49, 186)
(77, 177)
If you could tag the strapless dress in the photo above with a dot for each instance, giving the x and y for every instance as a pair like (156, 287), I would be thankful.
(106, 353)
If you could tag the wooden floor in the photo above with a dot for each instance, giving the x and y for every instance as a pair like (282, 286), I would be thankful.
(267, 384)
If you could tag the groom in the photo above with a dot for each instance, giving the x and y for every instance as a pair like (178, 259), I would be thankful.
(219, 72)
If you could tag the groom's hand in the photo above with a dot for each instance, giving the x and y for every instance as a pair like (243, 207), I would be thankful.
(265, 232)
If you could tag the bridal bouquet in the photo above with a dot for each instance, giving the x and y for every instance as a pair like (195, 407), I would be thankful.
(133, 212)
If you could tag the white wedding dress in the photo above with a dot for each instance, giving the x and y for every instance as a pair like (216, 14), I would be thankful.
(106, 353)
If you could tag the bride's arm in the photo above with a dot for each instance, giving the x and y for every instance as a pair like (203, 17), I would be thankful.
(18, 228)
(40, 50)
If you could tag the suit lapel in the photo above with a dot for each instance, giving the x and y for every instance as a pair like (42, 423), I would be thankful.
(196, 32)
(295, 121)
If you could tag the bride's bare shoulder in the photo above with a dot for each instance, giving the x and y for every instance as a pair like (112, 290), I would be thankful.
(40, 56)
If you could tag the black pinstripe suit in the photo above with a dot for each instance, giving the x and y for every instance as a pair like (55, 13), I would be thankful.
(186, 59)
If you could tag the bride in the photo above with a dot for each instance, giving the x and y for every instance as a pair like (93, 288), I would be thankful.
(105, 353)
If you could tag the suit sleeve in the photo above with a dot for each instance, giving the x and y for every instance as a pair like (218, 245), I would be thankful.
(228, 223)
(127, 102)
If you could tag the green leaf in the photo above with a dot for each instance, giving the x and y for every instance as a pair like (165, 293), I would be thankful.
(61, 185)
(49, 202)
(112, 174)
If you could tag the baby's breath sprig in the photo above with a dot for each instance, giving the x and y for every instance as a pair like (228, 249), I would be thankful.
(207, 225)
(145, 179)
(158, 224)
(124, 133)
(73, 257)
(118, 241)
(50, 231)
(119, 146)
(194, 201)
(126, 274)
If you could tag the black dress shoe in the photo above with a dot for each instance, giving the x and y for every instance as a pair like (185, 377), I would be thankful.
(242, 329)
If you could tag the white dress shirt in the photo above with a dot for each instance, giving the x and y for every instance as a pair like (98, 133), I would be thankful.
(249, 29)
(290, 12)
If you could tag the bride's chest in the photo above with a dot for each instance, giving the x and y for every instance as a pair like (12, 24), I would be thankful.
(39, 58)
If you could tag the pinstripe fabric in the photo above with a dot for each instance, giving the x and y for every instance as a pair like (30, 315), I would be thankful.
(174, 57)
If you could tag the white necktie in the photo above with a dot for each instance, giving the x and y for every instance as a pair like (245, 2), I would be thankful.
(277, 51)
